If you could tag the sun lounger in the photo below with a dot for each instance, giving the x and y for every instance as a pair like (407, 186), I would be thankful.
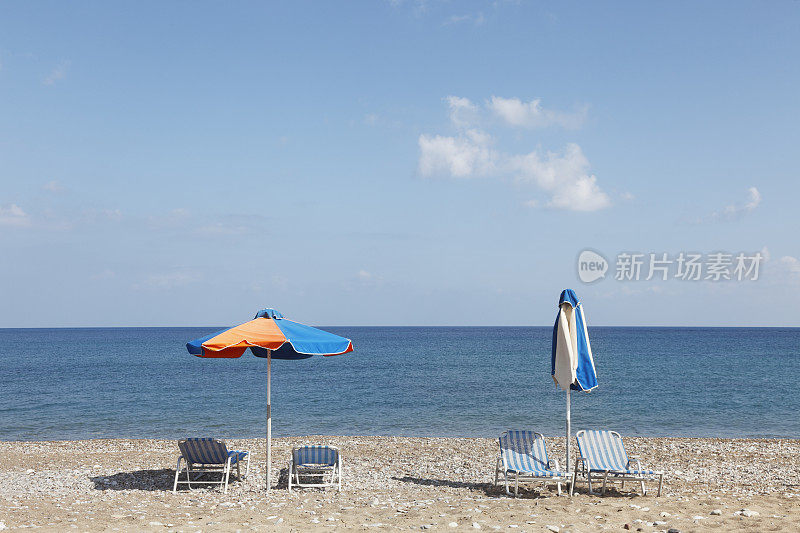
(318, 466)
(603, 455)
(204, 456)
(523, 455)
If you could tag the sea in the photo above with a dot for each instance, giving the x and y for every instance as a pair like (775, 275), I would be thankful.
(411, 381)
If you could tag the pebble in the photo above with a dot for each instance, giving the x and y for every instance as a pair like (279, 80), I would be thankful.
(476, 525)
(142, 485)
(554, 529)
(426, 526)
(453, 524)
(747, 513)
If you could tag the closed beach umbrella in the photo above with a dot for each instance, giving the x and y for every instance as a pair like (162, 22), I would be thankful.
(270, 335)
(572, 366)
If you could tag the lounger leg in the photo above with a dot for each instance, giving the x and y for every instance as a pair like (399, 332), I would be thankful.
(605, 478)
(227, 475)
(291, 465)
(660, 481)
(505, 478)
(644, 490)
(177, 473)
(238, 472)
(622, 486)
(516, 484)
(339, 469)
(189, 474)
(589, 480)
(558, 487)
(572, 485)
(247, 469)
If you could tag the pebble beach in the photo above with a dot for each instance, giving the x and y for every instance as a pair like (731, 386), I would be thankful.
(391, 483)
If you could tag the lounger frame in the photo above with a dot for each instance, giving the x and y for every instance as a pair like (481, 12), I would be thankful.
(585, 470)
(520, 475)
(328, 475)
(201, 469)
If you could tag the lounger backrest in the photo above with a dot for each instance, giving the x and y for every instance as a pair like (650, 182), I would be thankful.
(602, 450)
(523, 450)
(315, 455)
(204, 451)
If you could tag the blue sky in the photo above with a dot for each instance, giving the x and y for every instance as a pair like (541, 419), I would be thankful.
(401, 163)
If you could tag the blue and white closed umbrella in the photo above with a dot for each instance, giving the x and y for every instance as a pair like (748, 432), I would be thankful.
(572, 366)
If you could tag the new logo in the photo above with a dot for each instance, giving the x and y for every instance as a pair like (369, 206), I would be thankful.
(591, 266)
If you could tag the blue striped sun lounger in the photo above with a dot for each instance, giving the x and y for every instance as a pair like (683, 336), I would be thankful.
(318, 466)
(602, 453)
(202, 456)
(523, 456)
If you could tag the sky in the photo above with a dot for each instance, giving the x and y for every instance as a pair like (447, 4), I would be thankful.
(395, 162)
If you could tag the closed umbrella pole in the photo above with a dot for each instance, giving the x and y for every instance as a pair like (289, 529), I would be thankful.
(569, 429)
(572, 365)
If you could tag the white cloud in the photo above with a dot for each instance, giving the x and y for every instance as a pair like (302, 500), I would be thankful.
(791, 264)
(515, 112)
(104, 275)
(471, 152)
(786, 270)
(477, 19)
(58, 73)
(565, 176)
(13, 215)
(755, 199)
(735, 211)
(467, 155)
(364, 278)
(463, 112)
(53, 186)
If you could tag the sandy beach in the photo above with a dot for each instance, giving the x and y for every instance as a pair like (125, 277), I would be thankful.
(395, 483)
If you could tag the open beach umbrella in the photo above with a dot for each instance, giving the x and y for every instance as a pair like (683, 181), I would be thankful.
(270, 335)
(572, 366)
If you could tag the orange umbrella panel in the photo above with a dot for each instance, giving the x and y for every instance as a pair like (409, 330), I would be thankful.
(230, 343)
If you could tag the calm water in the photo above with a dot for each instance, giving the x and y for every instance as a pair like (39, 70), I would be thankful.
(141, 382)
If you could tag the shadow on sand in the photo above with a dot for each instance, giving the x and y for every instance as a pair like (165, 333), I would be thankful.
(488, 488)
(152, 480)
(163, 479)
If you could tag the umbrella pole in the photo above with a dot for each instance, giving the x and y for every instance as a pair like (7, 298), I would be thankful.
(269, 419)
(569, 430)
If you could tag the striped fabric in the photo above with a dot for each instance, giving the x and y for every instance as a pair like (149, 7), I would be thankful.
(525, 451)
(208, 452)
(604, 451)
(315, 456)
